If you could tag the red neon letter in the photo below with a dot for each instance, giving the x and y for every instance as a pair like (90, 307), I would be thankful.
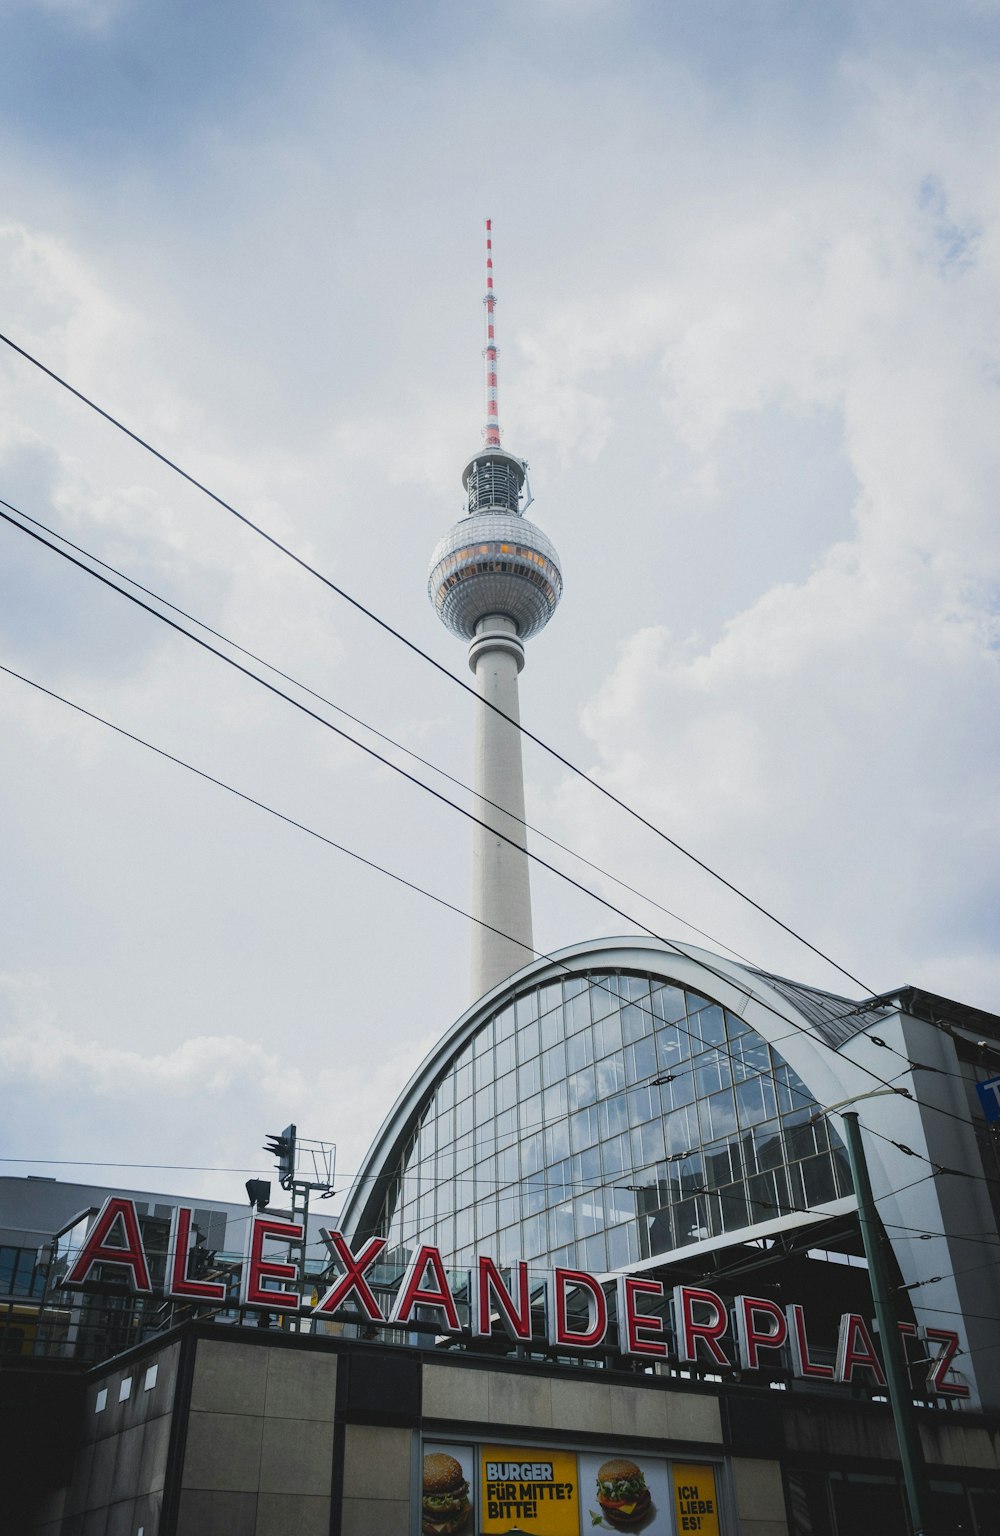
(130, 1254)
(855, 1348)
(515, 1316)
(690, 1334)
(179, 1285)
(354, 1277)
(257, 1269)
(937, 1377)
(413, 1294)
(750, 1339)
(802, 1363)
(560, 1332)
(633, 1326)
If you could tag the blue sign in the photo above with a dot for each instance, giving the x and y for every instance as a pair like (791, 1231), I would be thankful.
(989, 1097)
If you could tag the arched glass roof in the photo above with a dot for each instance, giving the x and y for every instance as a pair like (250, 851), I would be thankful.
(602, 1119)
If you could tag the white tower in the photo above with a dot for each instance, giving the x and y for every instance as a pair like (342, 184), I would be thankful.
(495, 580)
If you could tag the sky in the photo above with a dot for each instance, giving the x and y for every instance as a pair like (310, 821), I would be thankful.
(748, 265)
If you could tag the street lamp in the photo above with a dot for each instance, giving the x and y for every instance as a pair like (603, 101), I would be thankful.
(897, 1378)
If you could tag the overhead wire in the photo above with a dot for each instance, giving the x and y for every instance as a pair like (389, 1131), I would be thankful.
(791, 1087)
(395, 767)
(418, 650)
(367, 726)
(876, 1040)
(330, 842)
(272, 688)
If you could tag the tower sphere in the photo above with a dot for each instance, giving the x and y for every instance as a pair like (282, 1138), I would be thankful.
(494, 563)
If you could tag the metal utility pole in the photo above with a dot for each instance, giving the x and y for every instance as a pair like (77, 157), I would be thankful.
(897, 1376)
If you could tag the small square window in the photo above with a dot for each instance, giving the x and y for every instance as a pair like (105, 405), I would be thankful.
(102, 1400)
(149, 1381)
(125, 1390)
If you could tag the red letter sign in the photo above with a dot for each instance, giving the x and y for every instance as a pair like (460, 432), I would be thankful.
(129, 1254)
(353, 1280)
(515, 1316)
(750, 1338)
(855, 1348)
(179, 1285)
(413, 1294)
(634, 1327)
(937, 1379)
(802, 1363)
(257, 1269)
(560, 1332)
(689, 1333)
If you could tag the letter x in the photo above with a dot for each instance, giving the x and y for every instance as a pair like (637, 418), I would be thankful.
(354, 1280)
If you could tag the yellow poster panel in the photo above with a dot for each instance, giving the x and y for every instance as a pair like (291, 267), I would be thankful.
(532, 1489)
(696, 1500)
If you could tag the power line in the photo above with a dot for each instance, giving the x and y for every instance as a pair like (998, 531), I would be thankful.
(365, 725)
(338, 847)
(301, 826)
(411, 778)
(370, 751)
(411, 645)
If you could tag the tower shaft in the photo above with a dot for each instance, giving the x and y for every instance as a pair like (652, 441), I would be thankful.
(501, 896)
(495, 580)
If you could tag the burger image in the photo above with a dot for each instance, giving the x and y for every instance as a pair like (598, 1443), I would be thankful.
(622, 1493)
(446, 1496)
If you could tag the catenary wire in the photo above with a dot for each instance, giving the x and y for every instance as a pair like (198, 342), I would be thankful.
(419, 651)
(339, 847)
(876, 1040)
(329, 725)
(413, 779)
(373, 730)
(639, 1086)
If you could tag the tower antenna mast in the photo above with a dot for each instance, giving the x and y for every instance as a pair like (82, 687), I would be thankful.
(491, 431)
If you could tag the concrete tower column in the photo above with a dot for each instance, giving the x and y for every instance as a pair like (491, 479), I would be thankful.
(495, 581)
(501, 894)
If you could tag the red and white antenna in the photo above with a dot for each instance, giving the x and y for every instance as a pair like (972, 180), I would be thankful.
(491, 431)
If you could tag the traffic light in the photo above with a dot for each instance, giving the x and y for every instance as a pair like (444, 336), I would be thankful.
(259, 1193)
(283, 1150)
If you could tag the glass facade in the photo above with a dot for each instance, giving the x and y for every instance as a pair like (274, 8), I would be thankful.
(605, 1118)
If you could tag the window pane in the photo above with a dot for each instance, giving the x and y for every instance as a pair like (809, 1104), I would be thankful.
(556, 1141)
(527, 1042)
(672, 1047)
(579, 1050)
(582, 1088)
(531, 1153)
(708, 1025)
(637, 1021)
(529, 1078)
(640, 1060)
(668, 1003)
(608, 1034)
(711, 1072)
(614, 1115)
(718, 1116)
(553, 1065)
(610, 1075)
(526, 1008)
(554, 1100)
(504, 1056)
(755, 1100)
(583, 1128)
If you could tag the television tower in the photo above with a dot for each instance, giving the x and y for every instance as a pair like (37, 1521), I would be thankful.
(495, 580)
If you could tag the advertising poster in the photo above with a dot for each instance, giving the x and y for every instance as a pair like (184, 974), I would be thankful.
(537, 1491)
(697, 1500)
(448, 1483)
(621, 1492)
